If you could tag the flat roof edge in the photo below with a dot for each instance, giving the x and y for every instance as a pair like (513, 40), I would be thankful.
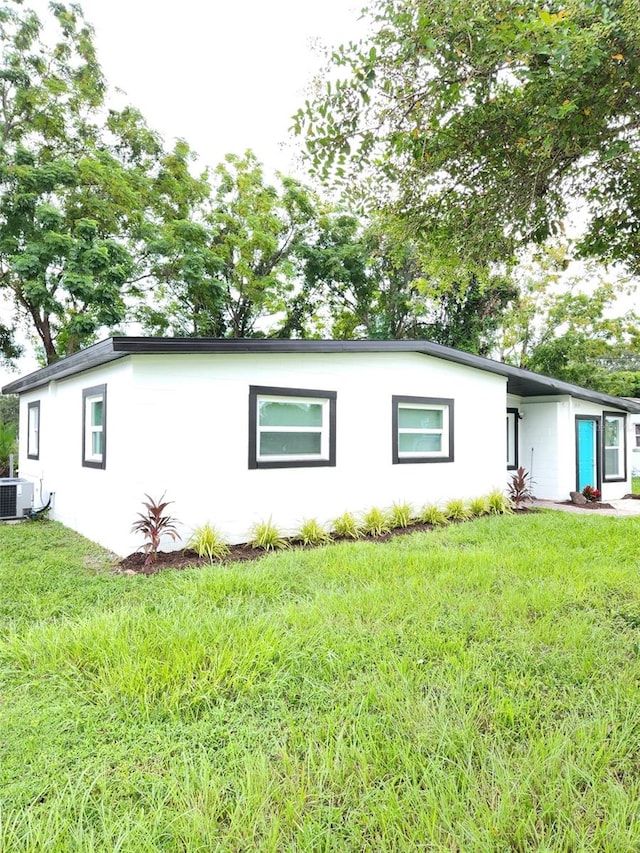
(121, 346)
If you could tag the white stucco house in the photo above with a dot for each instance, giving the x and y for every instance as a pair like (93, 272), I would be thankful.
(240, 431)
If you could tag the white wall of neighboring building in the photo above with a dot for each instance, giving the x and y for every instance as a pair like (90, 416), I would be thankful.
(179, 424)
(634, 439)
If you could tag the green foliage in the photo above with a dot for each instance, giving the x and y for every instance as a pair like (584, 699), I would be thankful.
(10, 410)
(432, 514)
(400, 515)
(92, 206)
(498, 502)
(153, 525)
(570, 326)
(519, 488)
(456, 510)
(379, 281)
(346, 526)
(266, 536)
(478, 507)
(253, 233)
(375, 522)
(313, 533)
(8, 446)
(488, 124)
(207, 542)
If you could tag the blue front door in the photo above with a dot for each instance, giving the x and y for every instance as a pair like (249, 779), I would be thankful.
(587, 453)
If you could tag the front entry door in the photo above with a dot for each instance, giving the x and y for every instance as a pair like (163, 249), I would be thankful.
(587, 452)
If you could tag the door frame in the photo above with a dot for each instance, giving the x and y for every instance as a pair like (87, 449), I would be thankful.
(597, 420)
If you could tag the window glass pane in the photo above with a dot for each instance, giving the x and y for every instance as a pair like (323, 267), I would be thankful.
(511, 439)
(32, 432)
(612, 432)
(96, 413)
(611, 460)
(290, 414)
(290, 443)
(416, 442)
(420, 418)
(96, 443)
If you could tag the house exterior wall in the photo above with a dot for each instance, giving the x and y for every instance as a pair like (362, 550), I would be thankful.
(94, 505)
(547, 445)
(180, 425)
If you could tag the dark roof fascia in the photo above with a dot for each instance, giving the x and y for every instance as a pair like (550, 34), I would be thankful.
(520, 382)
(93, 356)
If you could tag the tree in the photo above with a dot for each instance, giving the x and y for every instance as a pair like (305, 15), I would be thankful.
(488, 122)
(569, 328)
(254, 233)
(373, 281)
(10, 409)
(91, 204)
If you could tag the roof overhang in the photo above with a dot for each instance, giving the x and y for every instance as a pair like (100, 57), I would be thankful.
(521, 383)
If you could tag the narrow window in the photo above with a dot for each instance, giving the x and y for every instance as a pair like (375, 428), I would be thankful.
(33, 430)
(94, 426)
(637, 426)
(291, 427)
(614, 441)
(512, 439)
(422, 429)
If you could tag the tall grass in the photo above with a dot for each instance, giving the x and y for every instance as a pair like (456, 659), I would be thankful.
(472, 689)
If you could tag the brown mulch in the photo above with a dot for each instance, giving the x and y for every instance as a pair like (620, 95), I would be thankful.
(185, 558)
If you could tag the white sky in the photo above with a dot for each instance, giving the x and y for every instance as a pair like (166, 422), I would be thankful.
(225, 76)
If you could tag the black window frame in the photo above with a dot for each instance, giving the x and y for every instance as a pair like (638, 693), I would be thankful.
(516, 418)
(623, 449)
(33, 407)
(398, 399)
(94, 391)
(257, 391)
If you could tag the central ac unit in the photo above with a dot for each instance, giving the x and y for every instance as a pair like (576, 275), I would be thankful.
(16, 497)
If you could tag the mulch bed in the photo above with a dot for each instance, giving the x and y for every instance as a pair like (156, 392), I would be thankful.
(186, 558)
(588, 505)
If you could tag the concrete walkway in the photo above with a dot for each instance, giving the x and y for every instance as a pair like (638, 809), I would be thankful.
(625, 507)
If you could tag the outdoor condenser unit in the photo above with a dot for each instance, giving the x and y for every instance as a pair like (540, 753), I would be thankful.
(16, 497)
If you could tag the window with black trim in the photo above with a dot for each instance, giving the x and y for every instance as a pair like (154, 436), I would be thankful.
(33, 430)
(512, 439)
(614, 441)
(291, 427)
(637, 426)
(422, 429)
(94, 426)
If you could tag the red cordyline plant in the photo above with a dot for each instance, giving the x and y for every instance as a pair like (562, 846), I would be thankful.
(518, 488)
(591, 494)
(154, 525)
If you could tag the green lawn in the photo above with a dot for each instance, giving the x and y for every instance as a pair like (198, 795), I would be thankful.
(472, 689)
